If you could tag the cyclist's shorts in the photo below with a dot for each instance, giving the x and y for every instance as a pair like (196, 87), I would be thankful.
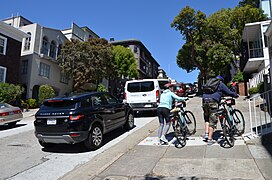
(210, 107)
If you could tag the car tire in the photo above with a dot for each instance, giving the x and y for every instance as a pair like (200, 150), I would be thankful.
(129, 122)
(95, 138)
(46, 145)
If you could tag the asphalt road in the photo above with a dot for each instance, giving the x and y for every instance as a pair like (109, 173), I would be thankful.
(23, 158)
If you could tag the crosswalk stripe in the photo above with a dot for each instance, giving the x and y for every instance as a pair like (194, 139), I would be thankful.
(191, 141)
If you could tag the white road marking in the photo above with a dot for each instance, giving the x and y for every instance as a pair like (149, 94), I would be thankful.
(191, 141)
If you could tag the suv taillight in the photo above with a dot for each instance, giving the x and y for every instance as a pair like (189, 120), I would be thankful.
(125, 95)
(158, 95)
(76, 117)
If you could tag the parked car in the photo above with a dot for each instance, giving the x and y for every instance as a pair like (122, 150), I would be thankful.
(190, 89)
(81, 118)
(9, 115)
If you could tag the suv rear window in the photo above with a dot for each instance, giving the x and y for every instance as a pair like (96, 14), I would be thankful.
(62, 104)
(140, 86)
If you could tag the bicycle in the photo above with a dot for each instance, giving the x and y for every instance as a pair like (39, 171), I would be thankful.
(183, 123)
(231, 120)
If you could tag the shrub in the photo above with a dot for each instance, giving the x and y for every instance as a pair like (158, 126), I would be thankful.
(31, 102)
(238, 77)
(253, 90)
(25, 105)
(9, 92)
(101, 88)
(45, 92)
(260, 87)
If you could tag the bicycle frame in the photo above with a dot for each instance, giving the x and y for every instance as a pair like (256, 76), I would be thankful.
(179, 109)
(228, 109)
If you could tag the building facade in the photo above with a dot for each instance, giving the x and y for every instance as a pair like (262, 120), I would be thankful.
(266, 6)
(38, 65)
(10, 53)
(148, 67)
(255, 58)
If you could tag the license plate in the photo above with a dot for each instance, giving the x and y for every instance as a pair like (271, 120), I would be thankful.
(148, 105)
(51, 121)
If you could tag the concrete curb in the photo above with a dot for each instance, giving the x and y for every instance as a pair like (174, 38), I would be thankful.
(99, 163)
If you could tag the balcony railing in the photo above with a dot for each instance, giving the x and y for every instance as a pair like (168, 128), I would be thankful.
(253, 82)
(256, 53)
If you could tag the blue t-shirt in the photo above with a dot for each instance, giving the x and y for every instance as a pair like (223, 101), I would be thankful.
(222, 89)
(167, 97)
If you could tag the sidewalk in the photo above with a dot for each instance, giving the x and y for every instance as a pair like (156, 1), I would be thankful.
(29, 113)
(137, 157)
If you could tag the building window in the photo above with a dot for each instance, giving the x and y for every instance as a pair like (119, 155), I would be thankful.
(44, 49)
(27, 42)
(3, 72)
(59, 49)
(3, 45)
(63, 78)
(53, 49)
(135, 49)
(24, 66)
(44, 70)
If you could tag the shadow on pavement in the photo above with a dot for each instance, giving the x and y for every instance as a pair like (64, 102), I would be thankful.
(267, 142)
(79, 147)
(145, 114)
(151, 177)
(6, 127)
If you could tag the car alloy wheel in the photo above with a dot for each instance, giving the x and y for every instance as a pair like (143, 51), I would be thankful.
(130, 122)
(95, 139)
(97, 136)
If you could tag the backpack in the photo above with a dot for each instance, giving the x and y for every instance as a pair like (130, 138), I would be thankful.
(211, 86)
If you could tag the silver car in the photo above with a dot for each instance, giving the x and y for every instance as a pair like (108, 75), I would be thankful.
(9, 115)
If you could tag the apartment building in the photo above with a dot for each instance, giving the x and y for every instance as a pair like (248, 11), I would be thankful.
(38, 65)
(147, 66)
(79, 33)
(10, 53)
(255, 57)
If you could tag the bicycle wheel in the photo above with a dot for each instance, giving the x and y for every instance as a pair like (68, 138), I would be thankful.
(228, 132)
(190, 122)
(179, 133)
(239, 121)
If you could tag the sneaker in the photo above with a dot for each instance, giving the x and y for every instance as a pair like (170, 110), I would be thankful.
(210, 142)
(205, 136)
(163, 138)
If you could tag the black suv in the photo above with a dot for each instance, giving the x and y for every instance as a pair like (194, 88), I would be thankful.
(81, 118)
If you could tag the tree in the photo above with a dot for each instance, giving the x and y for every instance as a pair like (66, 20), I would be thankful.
(125, 62)
(192, 27)
(86, 62)
(214, 42)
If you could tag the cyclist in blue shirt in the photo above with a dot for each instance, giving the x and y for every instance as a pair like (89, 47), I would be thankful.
(165, 105)
(210, 103)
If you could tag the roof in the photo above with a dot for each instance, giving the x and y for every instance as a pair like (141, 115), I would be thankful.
(12, 32)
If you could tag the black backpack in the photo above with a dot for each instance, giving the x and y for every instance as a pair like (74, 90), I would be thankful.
(211, 86)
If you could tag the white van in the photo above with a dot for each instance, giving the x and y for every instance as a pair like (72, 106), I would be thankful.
(144, 94)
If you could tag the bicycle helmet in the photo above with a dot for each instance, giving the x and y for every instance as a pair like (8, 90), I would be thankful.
(220, 77)
(168, 85)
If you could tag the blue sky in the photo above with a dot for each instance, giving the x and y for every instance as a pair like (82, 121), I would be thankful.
(146, 20)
